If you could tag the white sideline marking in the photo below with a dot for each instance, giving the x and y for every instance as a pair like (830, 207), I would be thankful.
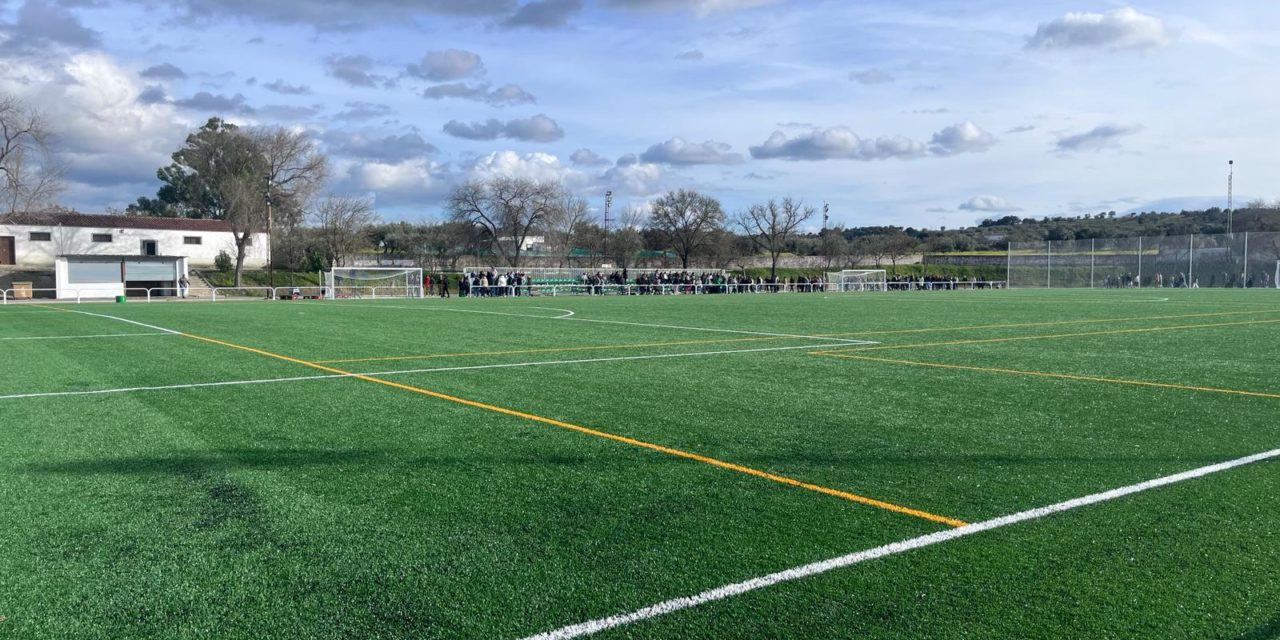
(104, 335)
(803, 571)
(848, 341)
(333, 376)
(140, 324)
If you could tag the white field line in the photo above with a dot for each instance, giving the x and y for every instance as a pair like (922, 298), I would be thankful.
(140, 324)
(803, 571)
(849, 341)
(375, 374)
(103, 335)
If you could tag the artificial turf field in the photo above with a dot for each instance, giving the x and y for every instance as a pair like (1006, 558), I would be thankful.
(544, 462)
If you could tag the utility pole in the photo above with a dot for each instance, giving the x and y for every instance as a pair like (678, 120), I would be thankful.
(608, 204)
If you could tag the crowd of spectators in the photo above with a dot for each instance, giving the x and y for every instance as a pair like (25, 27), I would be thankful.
(493, 283)
(937, 283)
(483, 284)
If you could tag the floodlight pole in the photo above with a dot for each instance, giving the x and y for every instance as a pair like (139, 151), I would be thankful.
(1231, 174)
(608, 204)
(271, 272)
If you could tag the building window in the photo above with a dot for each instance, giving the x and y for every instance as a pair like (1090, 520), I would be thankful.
(192, 240)
(248, 241)
(41, 236)
(102, 237)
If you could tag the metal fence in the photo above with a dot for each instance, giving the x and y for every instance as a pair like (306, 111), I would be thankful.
(1225, 260)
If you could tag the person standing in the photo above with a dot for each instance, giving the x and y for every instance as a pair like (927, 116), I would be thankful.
(444, 286)
(183, 285)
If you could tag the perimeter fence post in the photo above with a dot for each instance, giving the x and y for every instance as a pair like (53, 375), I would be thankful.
(1048, 281)
(1093, 244)
(1139, 262)
(1245, 278)
(1008, 269)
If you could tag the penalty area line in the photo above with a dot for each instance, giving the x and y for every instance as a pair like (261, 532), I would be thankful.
(738, 588)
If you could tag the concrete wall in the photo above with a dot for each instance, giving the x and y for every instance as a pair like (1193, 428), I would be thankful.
(126, 241)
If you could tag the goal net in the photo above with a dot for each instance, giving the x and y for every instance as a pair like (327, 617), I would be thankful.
(373, 282)
(857, 280)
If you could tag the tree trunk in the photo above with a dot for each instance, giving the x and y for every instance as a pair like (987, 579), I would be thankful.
(773, 266)
(241, 242)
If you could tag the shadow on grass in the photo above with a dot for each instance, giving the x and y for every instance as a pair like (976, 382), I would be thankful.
(1270, 630)
(199, 464)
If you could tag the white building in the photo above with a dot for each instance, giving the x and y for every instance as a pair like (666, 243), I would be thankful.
(78, 247)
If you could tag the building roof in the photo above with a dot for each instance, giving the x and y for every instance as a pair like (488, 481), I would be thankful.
(95, 257)
(110, 221)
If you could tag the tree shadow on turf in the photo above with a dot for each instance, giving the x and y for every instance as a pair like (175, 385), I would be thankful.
(201, 463)
(1269, 630)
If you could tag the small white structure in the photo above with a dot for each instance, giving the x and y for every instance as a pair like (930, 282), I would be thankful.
(34, 241)
(97, 276)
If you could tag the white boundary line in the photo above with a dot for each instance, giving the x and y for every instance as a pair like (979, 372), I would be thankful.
(104, 335)
(375, 374)
(118, 318)
(803, 571)
(849, 341)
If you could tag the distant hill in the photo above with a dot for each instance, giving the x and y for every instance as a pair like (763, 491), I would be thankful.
(996, 233)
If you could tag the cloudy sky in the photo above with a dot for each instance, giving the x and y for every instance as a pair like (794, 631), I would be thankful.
(918, 113)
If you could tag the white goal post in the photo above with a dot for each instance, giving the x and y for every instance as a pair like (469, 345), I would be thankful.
(858, 280)
(373, 282)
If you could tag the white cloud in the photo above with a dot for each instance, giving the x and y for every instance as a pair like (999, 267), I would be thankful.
(543, 14)
(639, 179)
(1098, 138)
(534, 166)
(965, 137)
(698, 7)
(836, 143)
(841, 143)
(506, 95)
(587, 158)
(1123, 28)
(871, 76)
(539, 128)
(112, 141)
(994, 204)
(449, 64)
(678, 151)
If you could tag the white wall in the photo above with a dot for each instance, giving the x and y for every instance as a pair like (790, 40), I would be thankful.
(97, 290)
(126, 241)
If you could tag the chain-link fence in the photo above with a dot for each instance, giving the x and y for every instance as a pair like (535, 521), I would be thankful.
(1217, 260)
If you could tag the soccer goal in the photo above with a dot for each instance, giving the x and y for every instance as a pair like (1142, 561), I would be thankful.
(373, 282)
(857, 280)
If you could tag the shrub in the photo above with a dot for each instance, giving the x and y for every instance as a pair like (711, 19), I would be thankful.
(223, 262)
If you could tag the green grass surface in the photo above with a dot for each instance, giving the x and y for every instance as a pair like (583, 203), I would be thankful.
(344, 508)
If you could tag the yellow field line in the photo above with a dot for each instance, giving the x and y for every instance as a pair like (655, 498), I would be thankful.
(430, 356)
(888, 506)
(1043, 337)
(1043, 324)
(1064, 376)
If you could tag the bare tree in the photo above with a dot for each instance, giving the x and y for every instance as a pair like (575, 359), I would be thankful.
(898, 246)
(30, 174)
(687, 219)
(566, 225)
(771, 224)
(295, 169)
(507, 209)
(341, 222)
(833, 246)
(626, 240)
